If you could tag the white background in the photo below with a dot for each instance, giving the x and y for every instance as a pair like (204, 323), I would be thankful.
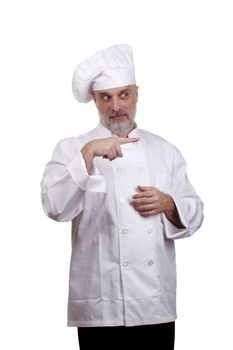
(183, 56)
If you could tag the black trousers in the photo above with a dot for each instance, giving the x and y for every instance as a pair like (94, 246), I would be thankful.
(146, 337)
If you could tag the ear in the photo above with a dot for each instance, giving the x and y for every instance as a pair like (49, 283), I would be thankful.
(94, 96)
(136, 92)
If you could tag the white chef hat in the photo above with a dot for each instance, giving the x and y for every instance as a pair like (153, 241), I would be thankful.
(106, 69)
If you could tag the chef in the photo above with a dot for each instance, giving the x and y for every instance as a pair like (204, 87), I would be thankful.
(127, 194)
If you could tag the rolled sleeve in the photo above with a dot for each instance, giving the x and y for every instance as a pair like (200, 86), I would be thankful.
(171, 231)
(78, 171)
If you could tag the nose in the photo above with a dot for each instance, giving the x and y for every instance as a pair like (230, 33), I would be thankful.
(115, 105)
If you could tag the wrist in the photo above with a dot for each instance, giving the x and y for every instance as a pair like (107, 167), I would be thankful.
(171, 213)
(88, 157)
(170, 207)
(87, 152)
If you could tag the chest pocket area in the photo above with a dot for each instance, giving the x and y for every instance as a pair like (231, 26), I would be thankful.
(163, 182)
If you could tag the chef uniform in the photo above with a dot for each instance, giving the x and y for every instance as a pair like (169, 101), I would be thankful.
(123, 267)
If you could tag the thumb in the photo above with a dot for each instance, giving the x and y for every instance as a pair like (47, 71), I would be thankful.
(143, 188)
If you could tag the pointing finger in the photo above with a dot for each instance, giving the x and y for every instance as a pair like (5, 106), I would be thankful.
(118, 149)
(123, 140)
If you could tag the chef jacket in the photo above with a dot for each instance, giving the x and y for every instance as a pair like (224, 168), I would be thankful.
(123, 266)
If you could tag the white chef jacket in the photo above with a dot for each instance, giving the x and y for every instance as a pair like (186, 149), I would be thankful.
(123, 268)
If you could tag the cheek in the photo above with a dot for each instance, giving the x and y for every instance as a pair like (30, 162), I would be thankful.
(131, 107)
(102, 108)
(127, 105)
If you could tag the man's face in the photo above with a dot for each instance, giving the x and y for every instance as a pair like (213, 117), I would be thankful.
(117, 108)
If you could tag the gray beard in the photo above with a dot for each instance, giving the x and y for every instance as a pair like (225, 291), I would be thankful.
(118, 127)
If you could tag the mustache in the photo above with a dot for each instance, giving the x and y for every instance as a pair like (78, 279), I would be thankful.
(118, 113)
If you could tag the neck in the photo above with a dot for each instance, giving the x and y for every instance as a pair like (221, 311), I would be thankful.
(126, 133)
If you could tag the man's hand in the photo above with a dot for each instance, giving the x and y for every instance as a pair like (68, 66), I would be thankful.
(151, 201)
(108, 148)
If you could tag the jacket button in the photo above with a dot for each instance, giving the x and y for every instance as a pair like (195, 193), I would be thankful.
(125, 264)
(122, 200)
(149, 230)
(142, 168)
(118, 169)
(124, 231)
(150, 262)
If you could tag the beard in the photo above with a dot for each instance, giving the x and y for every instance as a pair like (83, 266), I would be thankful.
(118, 127)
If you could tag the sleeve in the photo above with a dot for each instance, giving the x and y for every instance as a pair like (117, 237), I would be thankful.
(65, 181)
(188, 203)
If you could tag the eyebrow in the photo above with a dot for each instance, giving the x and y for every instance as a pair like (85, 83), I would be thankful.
(108, 93)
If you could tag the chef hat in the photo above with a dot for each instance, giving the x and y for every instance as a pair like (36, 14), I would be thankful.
(109, 68)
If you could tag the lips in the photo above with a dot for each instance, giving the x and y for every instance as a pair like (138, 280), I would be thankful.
(118, 116)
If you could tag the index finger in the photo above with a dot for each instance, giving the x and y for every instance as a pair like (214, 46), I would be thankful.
(123, 140)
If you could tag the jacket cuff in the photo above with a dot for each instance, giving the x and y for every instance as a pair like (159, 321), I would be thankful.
(89, 183)
(171, 231)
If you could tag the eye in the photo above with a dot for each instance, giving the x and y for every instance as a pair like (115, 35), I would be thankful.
(124, 95)
(106, 98)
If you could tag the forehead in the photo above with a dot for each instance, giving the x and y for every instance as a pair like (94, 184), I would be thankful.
(115, 90)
